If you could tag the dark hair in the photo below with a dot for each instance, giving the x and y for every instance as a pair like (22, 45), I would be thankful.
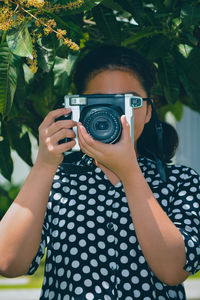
(147, 144)
(113, 58)
(107, 57)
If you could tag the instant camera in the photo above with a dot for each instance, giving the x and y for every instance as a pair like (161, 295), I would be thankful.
(100, 114)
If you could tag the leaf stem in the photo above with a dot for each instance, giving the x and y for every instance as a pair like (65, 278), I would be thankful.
(59, 20)
(41, 22)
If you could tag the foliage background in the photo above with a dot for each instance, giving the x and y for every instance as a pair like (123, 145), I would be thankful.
(35, 67)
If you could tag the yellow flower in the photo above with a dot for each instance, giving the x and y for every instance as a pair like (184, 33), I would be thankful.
(38, 35)
(6, 19)
(20, 18)
(33, 68)
(51, 23)
(36, 3)
(71, 5)
(33, 62)
(60, 33)
(75, 4)
(71, 45)
(47, 30)
(37, 23)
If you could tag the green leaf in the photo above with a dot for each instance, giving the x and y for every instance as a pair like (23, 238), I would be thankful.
(66, 21)
(169, 4)
(5, 201)
(190, 14)
(23, 148)
(193, 74)
(46, 51)
(107, 24)
(8, 193)
(194, 63)
(176, 109)
(168, 78)
(189, 79)
(62, 51)
(20, 93)
(19, 141)
(19, 41)
(62, 71)
(6, 163)
(141, 34)
(163, 44)
(41, 94)
(87, 5)
(28, 75)
(135, 7)
(9, 66)
(130, 6)
(112, 5)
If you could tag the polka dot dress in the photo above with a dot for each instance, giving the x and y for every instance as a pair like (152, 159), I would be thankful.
(92, 248)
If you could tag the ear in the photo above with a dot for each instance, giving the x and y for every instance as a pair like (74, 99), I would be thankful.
(148, 114)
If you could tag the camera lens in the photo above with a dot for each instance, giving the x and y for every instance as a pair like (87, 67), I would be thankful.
(103, 123)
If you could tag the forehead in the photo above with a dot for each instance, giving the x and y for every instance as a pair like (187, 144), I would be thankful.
(113, 82)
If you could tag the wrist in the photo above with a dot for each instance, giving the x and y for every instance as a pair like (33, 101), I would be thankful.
(45, 167)
(130, 174)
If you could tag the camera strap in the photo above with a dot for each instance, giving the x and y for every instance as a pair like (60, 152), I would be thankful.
(77, 162)
(159, 133)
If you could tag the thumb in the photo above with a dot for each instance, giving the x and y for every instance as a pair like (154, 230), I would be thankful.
(125, 127)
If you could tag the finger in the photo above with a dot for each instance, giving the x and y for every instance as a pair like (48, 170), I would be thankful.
(58, 125)
(86, 142)
(82, 142)
(52, 115)
(60, 148)
(65, 146)
(98, 164)
(90, 142)
(126, 129)
(61, 134)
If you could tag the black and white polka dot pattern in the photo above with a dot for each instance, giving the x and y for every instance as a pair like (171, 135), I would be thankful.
(92, 248)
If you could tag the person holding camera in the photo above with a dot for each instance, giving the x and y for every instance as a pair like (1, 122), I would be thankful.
(125, 228)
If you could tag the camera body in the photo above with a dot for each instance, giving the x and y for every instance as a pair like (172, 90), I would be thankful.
(100, 114)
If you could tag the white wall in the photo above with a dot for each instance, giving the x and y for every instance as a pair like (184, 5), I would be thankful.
(189, 139)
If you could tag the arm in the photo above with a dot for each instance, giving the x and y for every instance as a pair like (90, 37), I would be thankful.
(21, 226)
(160, 240)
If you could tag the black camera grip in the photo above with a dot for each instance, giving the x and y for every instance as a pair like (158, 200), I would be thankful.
(64, 117)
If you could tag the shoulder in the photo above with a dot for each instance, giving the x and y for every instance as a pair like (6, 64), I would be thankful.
(183, 175)
(176, 174)
(147, 165)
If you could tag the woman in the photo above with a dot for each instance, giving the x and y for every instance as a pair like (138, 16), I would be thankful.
(118, 231)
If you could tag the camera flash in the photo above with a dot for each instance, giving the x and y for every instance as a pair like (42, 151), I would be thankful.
(78, 101)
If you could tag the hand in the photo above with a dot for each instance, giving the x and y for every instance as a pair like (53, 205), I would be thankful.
(50, 133)
(120, 158)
